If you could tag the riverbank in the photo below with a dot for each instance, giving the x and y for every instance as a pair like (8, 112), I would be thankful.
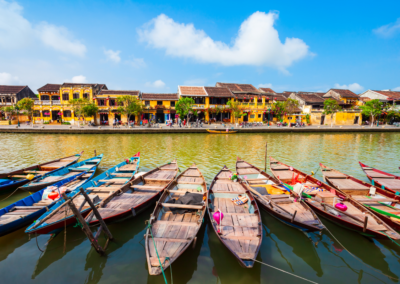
(67, 129)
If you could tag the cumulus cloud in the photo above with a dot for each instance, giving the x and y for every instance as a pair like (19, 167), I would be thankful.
(79, 79)
(113, 55)
(355, 87)
(389, 30)
(8, 79)
(18, 32)
(257, 42)
(268, 85)
(156, 84)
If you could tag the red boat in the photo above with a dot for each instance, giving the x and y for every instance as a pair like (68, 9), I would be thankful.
(384, 180)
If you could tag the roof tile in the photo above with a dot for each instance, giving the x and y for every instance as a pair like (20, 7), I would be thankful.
(220, 92)
(159, 97)
(5, 89)
(192, 91)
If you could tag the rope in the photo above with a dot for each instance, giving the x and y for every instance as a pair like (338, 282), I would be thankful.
(170, 266)
(390, 238)
(159, 260)
(285, 271)
(78, 224)
(357, 257)
(38, 244)
(9, 195)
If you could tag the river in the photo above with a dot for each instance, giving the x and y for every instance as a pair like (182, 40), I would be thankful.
(321, 260)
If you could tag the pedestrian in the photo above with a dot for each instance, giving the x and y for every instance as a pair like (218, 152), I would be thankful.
(180, 122)
(115, 122)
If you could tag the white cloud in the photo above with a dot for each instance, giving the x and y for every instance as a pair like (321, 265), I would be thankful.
(257, 42)
(355, 87)
(18, 32)
(156, 84)
(388, 30)
(397, 89)
(113, 55)
(79, 79)
(136, 62)
(8, 79)
(268, 85)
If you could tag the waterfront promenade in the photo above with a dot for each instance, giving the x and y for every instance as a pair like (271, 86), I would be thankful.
(74, 129)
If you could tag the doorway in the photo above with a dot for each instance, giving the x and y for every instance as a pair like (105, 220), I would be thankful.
(160, 116)
(55, 115)
(356, 119)
(246, 117)
(104, 119)
(322, 119)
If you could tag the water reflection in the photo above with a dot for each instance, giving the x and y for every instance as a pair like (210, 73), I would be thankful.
(9, 243)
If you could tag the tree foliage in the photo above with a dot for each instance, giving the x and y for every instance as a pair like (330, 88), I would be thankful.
(10, 110)
(130, 105)
(26, 105)
(291, 105)
(236, 109)
(183, 106)
(77, 106)
(90, 110)
(331, 107)
(279, 109)
(372, 109)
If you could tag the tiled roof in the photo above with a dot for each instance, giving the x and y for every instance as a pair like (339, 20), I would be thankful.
(4, 89)
(50, 88)
(238, 87)
(267, 90)
(159, 97)
(390, 94)
(275, 97)
(192, 91)
(220, 92)
(119, 92)
(84, 84)
(244, 95)
(285, 94)
(344, 93)
(310, 97)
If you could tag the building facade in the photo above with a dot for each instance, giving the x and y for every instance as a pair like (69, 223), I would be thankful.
(159, 106)
(10, 95)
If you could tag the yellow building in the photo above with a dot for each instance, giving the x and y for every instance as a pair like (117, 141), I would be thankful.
(159, 106)
(53, 105)
(349, 98)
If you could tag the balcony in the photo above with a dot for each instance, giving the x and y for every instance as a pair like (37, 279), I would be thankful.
(198, 106)
(220, 106)
(6, 104)
(47, 102)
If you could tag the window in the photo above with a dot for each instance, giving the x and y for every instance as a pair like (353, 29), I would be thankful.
(259, 116)
(36, 113)
(172, 104)
(65, 97)
(67, 113)
(101, 102)
(259, 101)
(112, 102)
(45, 97)
(147, 103)
(75, 95)
(46, 113)
(85, 95)
(199, 100)
(159, 103)
(252, 116)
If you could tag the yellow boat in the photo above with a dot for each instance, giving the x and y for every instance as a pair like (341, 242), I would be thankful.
(221, 131)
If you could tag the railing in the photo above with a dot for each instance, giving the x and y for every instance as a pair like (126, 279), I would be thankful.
(56, 102)
(198, 106)
(220, 106)
(6, 104)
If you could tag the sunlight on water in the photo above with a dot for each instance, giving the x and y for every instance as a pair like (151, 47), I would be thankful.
(323, 261)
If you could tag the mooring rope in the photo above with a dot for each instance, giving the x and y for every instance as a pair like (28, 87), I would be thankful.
(9, 195)
(285, 271)
(170, 266)
(38, 243)
(359, 259)
(159, 260)
(390, 238)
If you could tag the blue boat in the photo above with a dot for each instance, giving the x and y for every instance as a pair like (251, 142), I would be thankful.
(48, 179)
(98, 188)
(25, 211)
(12, 180)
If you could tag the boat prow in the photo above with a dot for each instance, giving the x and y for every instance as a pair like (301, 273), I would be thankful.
(228, 131)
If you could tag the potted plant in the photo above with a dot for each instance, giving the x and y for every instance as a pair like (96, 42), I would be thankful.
(234, 177)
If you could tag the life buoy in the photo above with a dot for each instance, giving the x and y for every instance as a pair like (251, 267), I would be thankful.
(53, 195)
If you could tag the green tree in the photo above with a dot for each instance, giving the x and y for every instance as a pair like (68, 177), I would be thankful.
(183, 106)
(10, 111)
(372, 109)
(279, 109)
(130, 105)
(26, 105)
(331, 107)
(291, 106)
(78, 105)
(391, 114)
(236, 109)
(90, 110)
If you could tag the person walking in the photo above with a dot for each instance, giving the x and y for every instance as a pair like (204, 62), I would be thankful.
(180, 122)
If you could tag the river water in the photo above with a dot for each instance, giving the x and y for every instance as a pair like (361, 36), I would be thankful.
(321, 260)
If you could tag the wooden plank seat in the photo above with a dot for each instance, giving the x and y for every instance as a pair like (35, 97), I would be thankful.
(348, 184)
(375, 174)
(161, 176)
(121, 175)
(243, 255)
(279, 167)
(190, 224)
(334, 174)
(375, 200)
(277, 196)
(393, 184)
(241, 165)
(158, 187)
(104, 188)
(35, 172)
(128, 168)
(115, 180)
(288, 175)
(247, 171)
(190, 180)
(17, 176)
(183, 206)
(27, 207)
(183, 191)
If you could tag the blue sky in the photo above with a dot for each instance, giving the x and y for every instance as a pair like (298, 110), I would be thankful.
(156, 46)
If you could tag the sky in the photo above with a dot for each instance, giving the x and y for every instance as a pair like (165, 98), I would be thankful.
(154, 46)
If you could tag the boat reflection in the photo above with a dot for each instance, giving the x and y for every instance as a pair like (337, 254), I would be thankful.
(9, 243)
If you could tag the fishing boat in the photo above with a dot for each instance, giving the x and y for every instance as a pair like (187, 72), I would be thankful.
(228, 131)
(326, 201)
(176, 220)
(239, 225)
(12, 180)
(382, 202)
(60, 216)
(383, 179)
(88, 165)
(25, 211)
(277, 200)
(136, 196)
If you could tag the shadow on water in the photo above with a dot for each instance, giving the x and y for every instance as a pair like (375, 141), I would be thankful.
(226, 267)
(9, 243)
(301, 245)
(122, 232)
(366, 250)
(54, 250)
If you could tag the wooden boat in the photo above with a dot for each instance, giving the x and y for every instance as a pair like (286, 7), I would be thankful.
(382, 202)
(383, 179)
(174, 226)
(136, 196)
(229, 131)
(323, 201)
(25, 211)
(50, 178)
(13, 180)
(240, 230)
(60, 215)
(276, 200)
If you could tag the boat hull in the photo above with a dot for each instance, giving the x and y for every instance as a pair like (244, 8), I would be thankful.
(23, 222)
(221, 131)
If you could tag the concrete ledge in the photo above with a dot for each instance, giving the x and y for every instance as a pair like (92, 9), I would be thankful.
(195, 130)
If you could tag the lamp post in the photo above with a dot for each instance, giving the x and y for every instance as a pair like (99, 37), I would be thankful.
(16, 107)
